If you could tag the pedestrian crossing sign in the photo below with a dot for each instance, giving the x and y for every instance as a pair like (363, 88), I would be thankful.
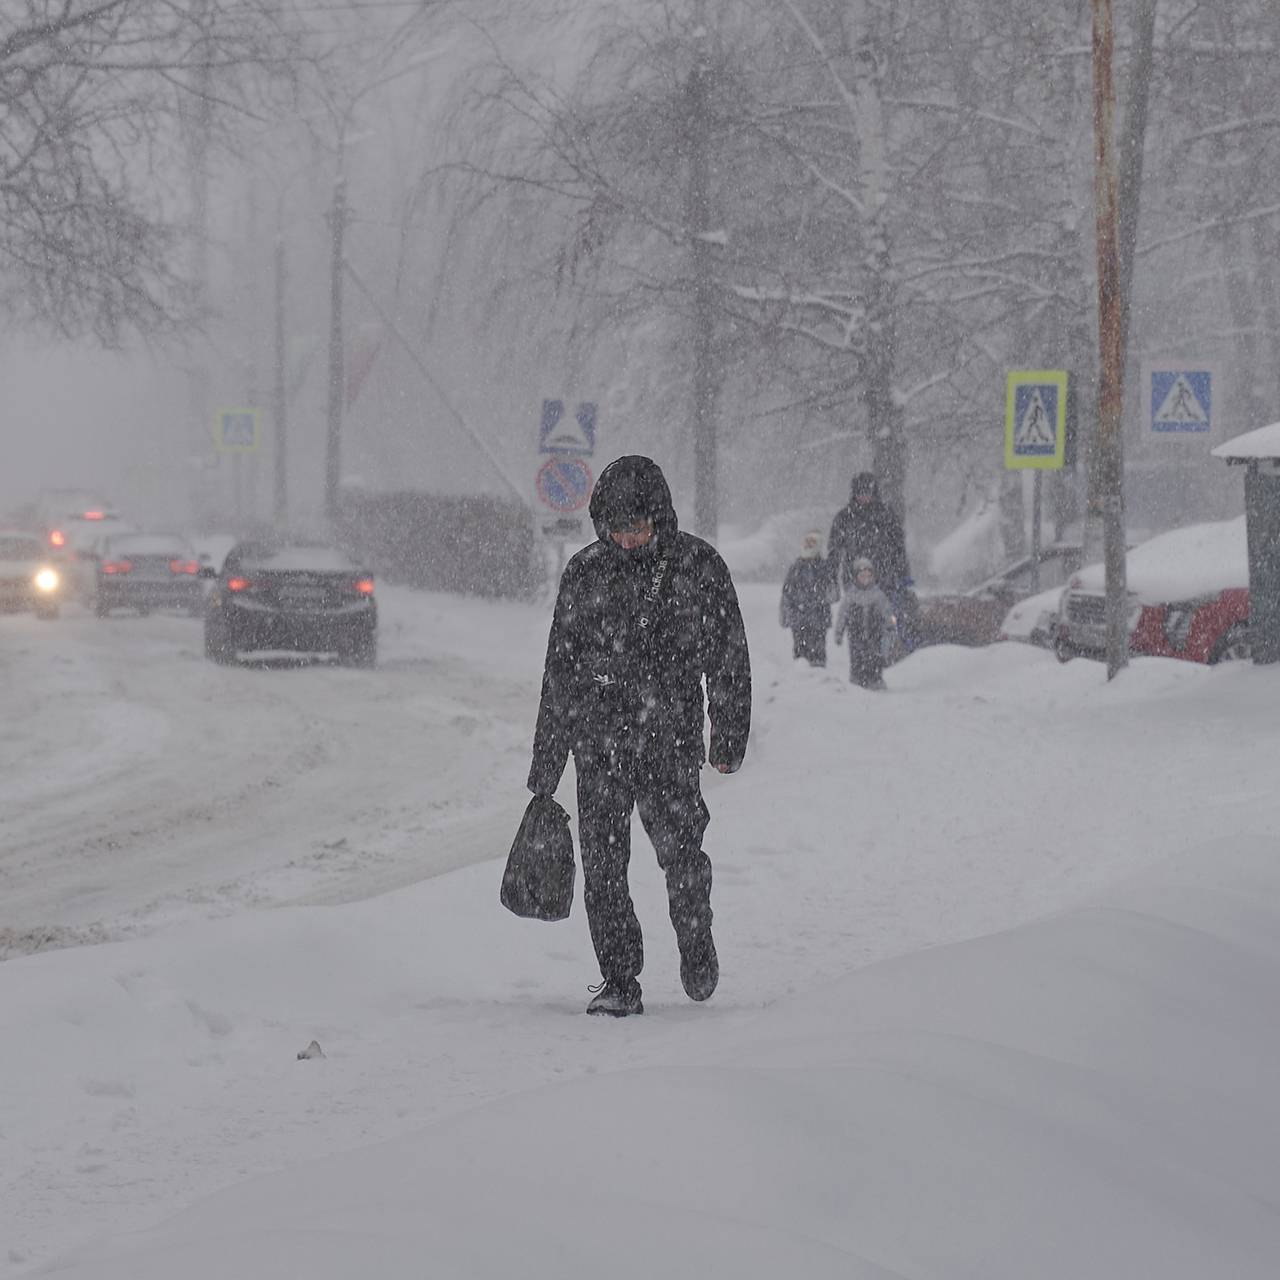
(1035, 419)
(237, 430)
(1180, 399)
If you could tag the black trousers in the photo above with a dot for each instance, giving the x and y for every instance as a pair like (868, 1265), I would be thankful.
(866, 666)
(811, 644)
(669, 799)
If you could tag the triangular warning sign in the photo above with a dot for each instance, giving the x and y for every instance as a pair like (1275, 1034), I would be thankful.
(1035, 426)
(1181, 404)
(562, 433)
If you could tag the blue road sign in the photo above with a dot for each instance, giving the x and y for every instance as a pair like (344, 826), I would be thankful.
(1181, 401)
(1035, 421)
(237, 430)
(564, 484)
(574, 436)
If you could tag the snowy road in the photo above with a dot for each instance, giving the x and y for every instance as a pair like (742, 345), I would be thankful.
(146, 793)
(140, 783)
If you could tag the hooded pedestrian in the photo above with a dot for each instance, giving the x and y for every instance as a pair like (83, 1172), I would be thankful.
(807, 596)
(643, 616)
(869, 528)
(866, 618)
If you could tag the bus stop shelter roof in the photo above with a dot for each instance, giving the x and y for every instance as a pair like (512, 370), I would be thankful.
(1262, 443)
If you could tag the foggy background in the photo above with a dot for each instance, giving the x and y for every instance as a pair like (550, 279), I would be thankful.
(900, 212)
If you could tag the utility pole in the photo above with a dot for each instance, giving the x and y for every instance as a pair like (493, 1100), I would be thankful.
(698, 227)
(1109, 442)
(279, 398)
(333, 451)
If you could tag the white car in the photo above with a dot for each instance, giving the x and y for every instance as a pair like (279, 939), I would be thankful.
(1035, 619)
(29, 578)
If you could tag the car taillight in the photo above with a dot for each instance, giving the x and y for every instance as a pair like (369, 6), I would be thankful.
(237, 584)
(183, 566)
(93, 515)
(117, 566)
(364, 586)
(57, 538)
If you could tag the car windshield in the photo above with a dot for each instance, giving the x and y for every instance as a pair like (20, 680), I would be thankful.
(148, 544)
(292, 559)
(20, 548)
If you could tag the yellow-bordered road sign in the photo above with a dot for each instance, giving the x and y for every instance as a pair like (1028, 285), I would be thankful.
(237, 430)
(1035, 419)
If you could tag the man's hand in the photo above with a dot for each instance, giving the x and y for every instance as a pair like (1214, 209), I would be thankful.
(726, 768)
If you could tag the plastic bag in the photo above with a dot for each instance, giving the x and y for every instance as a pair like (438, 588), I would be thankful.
(538, 881)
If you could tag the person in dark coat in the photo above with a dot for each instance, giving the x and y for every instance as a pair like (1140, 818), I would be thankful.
(868, 527)
(866, 619)
(807, 595)
(643, 616)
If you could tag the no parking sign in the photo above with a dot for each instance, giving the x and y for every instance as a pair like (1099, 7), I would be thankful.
(564, 484)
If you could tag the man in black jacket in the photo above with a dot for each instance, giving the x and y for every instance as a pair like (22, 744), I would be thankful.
(642, 616)
(868, 527)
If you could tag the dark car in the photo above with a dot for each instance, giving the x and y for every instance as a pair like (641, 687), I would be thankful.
(974, 617)
(145, 571)
(296, 597)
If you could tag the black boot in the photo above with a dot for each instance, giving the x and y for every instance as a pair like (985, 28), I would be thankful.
(616, 999)
(699, 967)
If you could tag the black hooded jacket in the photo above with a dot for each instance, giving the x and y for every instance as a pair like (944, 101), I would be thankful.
(869, 529)
(623, 676)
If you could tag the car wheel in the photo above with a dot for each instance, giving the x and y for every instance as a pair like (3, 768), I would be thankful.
(47, 612)
(363, 653)
(1063, 651)
(217, 647)
(100, 607)
(144, 610)
(1233, 647)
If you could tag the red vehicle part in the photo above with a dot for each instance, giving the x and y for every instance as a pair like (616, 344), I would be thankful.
(1196, 631)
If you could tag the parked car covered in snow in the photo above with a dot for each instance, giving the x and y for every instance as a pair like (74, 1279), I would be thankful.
(1035, 619)
(1188, 598)
(976, 616)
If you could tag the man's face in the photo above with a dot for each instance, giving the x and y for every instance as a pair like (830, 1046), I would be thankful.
(636, 533)
(862, 498)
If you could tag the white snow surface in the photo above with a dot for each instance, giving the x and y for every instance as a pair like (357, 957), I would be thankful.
(999, 952)
(1197, 560)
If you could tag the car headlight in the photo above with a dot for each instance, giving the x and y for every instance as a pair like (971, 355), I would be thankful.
(46, 580)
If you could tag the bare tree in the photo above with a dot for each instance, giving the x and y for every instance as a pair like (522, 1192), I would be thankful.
(92, 203)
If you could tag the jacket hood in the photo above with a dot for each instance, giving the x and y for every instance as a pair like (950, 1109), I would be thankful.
(629, 488)
(864, 482)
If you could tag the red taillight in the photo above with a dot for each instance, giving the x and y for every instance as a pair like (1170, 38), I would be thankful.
(93, 515)
(57, 538)
(237, 584)
(117, 566)
(364, 586)
(183, 566)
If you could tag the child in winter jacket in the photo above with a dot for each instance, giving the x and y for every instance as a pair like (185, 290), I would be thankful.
(866, 617)
(807, 596)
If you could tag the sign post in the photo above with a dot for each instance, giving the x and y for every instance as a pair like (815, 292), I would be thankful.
(563, 480)
(1035, 437)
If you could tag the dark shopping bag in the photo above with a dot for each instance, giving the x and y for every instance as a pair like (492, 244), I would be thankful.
(538, 880)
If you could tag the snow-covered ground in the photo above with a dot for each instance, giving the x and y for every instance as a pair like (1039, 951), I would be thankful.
(999, 948)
